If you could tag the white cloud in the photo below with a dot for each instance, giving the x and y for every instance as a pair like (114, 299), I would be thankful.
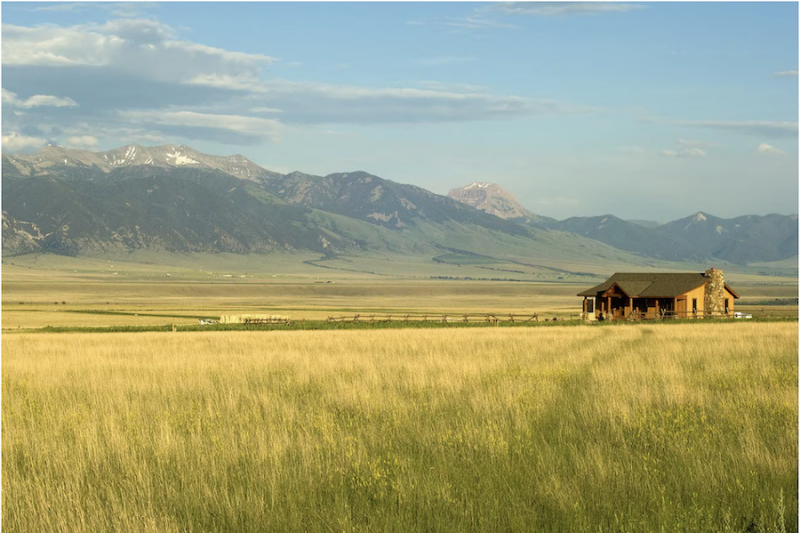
(686, 148)
(549, 9)
(14, 142)
(144, 47)
(126, 8)
(746, 127)
(243, 83)
(632, 150)
(46, 100)
(37, 100)
(9, 98)
(478, 19)
(251, 126)
(477, 22)
(693, 143)
(137, 74)
(452, 87)
(85, 142)
(265, 110)
(308, 102)
(768, 149)
(785, 73)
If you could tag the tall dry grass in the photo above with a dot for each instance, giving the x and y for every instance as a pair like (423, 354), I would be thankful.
(646, 428)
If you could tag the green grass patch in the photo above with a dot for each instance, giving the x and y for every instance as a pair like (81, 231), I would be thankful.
(466, 259)
(129, 313)
(378, 324)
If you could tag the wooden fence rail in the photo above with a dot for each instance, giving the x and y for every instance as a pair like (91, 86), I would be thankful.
(409, 317)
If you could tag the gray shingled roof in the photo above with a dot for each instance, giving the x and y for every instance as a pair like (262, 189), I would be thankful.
(650, 285)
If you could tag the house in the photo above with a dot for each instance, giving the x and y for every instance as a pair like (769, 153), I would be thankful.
(659, 295)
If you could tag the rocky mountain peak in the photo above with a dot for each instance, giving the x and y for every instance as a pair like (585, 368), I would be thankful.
(491, 198)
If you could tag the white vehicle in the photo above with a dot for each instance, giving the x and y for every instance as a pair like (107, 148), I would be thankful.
(741, 315)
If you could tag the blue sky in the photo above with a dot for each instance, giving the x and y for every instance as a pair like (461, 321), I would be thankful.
(642, 110)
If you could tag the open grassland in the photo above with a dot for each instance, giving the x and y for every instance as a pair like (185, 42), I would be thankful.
(650, 428)
(149, 289)
(37, 299)
(93, 303)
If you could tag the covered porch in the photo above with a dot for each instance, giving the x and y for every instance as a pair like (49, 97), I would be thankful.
(616, 304)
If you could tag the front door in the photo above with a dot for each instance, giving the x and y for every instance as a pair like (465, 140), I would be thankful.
(680, 308)
(617, 306)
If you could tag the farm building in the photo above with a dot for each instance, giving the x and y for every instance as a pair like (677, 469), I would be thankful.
(626, 296)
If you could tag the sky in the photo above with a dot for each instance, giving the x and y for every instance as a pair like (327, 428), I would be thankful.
(648, 111)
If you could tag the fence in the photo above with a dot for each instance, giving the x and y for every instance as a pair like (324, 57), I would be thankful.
(254, 319)
(469, 318)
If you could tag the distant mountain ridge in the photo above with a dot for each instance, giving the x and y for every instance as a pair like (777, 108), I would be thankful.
(699, 237)
(378, 201)
(176, 199)
(632, 237)
(54, 158)
(744, 239)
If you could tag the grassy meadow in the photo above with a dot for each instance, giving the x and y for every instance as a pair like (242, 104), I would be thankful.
(40, 291)
(634, 428)
(639, 428)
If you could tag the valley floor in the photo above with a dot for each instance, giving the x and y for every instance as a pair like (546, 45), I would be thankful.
(47, 290)
(679, 427)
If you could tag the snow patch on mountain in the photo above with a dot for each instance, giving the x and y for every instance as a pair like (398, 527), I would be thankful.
(181, 159)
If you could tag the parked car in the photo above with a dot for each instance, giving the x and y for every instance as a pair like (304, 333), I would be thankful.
(737, 314)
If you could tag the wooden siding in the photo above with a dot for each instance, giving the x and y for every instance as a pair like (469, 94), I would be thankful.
(700, 294)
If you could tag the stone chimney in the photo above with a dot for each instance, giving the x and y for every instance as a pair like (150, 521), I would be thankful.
(714, 300)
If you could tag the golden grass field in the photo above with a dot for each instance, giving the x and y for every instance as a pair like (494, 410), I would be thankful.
(638, 428)
(41, 298)
(673, 427)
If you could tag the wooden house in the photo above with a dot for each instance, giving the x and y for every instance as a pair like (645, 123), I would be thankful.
(659, 295)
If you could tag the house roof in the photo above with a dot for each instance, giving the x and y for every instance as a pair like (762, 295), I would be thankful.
(652, 285)
(631, 288)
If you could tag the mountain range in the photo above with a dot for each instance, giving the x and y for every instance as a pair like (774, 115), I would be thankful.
(175, 199)
(698, 237)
